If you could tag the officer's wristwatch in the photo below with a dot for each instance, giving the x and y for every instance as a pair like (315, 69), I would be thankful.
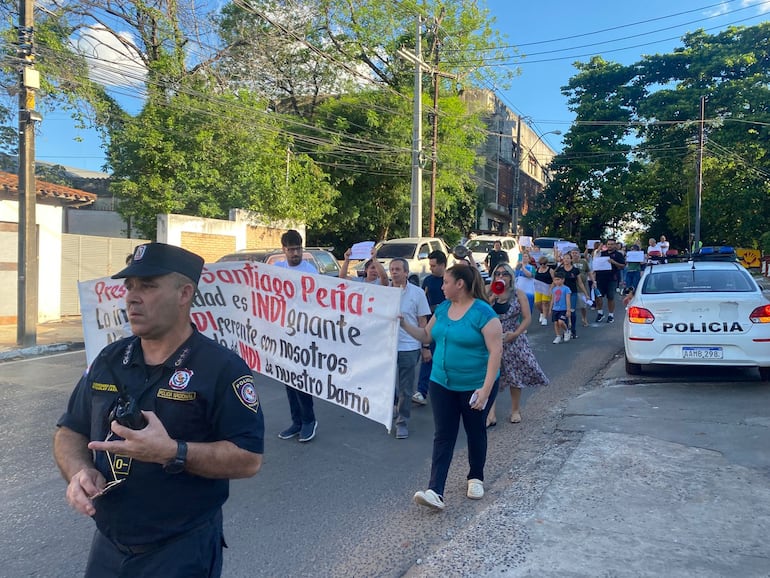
(176, 466)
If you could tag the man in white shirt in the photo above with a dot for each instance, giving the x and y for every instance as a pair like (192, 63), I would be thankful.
(303, 422)
(415, 310)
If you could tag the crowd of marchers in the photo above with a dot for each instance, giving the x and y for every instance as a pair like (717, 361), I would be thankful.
(169, 412)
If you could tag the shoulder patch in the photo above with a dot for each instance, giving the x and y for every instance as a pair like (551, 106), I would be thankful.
(246, 392)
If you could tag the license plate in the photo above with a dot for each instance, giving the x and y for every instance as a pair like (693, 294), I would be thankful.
(701, 353)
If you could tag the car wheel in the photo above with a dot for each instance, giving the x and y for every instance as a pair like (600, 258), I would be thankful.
(764, 373)
(633, 368)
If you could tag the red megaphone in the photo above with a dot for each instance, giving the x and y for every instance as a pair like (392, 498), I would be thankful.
(498, 287)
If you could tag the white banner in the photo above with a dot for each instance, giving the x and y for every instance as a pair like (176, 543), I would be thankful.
(333, 339)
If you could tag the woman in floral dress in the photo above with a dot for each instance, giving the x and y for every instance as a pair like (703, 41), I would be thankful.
(519, 367)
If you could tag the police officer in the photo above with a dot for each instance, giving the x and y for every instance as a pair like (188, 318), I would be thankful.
(154, 480)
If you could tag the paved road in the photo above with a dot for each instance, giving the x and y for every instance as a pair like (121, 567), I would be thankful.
(340, 505)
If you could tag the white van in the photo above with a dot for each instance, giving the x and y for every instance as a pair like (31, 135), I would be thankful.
(481, 245)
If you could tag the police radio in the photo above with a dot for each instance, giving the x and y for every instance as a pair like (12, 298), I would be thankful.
(126, 410)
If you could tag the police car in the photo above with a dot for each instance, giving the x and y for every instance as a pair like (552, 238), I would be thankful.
(706, 311)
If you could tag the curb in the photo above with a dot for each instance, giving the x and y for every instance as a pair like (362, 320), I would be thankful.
(40, 350)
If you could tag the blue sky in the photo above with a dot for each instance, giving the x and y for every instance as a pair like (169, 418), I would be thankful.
(622, 33)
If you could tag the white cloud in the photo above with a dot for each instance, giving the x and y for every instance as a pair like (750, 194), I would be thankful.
(111, 62)
(719, 10)
(762, 5)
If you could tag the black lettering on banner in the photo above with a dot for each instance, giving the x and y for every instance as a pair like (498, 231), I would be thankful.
(300, 381)
(345, 398)
(337, 330)
(209, 298)
(312, 357)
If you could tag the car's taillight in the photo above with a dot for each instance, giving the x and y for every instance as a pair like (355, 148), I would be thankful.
(640, 315)
(761, 314)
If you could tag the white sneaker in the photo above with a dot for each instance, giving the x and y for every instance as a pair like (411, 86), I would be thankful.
(430, 499)
(540, 319)
(557, 339)
(543, 321)
(567, 336)
(475, 489)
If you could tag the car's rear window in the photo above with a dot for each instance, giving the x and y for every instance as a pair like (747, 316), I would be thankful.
(394, 250)
(480, 246)
(245, 256)
(697, 281)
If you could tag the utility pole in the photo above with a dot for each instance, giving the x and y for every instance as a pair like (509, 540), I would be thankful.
(415, 215)
(28, 270)
(434, 143)
(699, 177)
(415, 223)
(516, 182)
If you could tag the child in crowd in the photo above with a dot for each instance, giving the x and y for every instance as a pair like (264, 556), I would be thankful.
(543, 281)
(559, 307)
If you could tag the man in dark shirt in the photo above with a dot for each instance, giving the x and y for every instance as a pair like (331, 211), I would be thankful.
(496, 256)
(607, 281)
(154, 480)
(437, 262)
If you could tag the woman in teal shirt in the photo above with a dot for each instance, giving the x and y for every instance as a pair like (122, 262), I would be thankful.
(466, 364)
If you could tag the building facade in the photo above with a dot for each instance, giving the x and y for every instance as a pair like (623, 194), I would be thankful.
(506, 193)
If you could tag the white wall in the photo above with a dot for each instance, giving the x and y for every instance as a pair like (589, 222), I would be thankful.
(171, 227)
(49, 221)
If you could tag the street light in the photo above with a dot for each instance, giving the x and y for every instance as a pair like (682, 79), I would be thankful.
(517, 180)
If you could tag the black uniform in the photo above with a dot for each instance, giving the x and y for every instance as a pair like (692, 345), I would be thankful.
(202, 393)
(494, 258)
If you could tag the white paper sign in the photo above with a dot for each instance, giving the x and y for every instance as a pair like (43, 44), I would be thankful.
(362, 250)
(332, 338)
(593, 244)
(635, 257)
(526, 284)
(601, 264)
(564, 247)
(525, 241)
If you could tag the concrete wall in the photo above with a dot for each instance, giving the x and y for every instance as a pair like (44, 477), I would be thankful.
(99, 223)
(49, 228)
(212, 238)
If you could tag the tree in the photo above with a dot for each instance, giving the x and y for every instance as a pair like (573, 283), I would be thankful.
(611, 172)
(193, 156)
(591, 190)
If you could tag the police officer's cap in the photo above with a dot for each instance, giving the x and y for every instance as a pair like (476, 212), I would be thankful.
(155, 259)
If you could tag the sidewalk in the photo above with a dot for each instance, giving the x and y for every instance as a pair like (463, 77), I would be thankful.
(52, 336)
(648, 479)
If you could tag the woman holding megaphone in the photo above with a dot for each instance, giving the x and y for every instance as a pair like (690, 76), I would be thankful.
(519, 366)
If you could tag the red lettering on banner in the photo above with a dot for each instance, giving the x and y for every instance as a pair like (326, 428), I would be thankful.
(269, 307)
(114, 291)
(203, 319)
(337, 299)
(250, 356)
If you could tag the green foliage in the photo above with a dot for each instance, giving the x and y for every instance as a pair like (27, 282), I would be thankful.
(611, 177)
(369, 161)
(764, 243)
(196, 157)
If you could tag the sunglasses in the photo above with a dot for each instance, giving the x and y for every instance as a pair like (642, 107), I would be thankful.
(502, 274)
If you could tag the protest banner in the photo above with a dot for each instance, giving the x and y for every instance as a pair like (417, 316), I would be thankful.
(331, 338)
